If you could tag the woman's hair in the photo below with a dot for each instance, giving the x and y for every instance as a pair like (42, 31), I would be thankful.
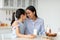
(32, 8)
(18, 13)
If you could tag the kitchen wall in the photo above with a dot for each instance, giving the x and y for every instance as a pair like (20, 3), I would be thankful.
(49, 10)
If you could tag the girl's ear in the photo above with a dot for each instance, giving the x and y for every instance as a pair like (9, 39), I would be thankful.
(21, 16)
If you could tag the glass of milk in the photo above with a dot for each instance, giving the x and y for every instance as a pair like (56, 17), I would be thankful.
(35, 31)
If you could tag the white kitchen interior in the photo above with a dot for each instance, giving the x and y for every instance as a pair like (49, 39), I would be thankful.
(7, 7)
(49, 10)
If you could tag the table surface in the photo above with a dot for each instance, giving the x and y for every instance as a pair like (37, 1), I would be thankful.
(5, 34)
(37, 38)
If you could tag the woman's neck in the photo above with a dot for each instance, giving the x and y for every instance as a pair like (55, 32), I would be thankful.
(34, 18)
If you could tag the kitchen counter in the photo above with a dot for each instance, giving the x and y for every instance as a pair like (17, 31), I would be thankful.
(4, 30)
(37, 38)
(5, 34)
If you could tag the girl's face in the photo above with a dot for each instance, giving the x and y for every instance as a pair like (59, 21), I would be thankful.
(30, 14)
(23, 17)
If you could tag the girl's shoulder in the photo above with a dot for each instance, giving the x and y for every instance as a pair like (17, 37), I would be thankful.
(15, 24)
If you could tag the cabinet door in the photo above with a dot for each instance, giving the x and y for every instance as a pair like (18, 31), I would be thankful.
(11, 3)
(33, 2)
(25, 3)
(21, 3)
(18, 3)
(6, 2)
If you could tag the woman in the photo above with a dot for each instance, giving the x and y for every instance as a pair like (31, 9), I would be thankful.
(33, 22)
(18, 25)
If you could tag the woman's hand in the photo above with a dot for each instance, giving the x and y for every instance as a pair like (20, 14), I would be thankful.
(31, 36)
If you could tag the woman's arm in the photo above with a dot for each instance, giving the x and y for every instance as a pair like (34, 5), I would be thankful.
(42, 29)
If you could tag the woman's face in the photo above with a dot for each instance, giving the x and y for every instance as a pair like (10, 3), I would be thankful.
(30, 14)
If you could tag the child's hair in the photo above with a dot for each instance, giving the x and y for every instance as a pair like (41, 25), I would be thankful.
(18, 13)
(13, 19)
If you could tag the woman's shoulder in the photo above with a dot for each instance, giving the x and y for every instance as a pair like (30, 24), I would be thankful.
(40, 19)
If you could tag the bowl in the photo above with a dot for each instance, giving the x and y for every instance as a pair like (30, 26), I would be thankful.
(51, 34)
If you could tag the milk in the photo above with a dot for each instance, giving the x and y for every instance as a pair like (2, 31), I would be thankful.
(35, 31)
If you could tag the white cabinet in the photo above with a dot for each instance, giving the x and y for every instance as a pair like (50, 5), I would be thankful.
(7, 7)
(8, 3)
(18, 3)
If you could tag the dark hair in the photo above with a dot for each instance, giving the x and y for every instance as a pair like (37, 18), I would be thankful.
(32, 8)
(19, 12)
(13, 19)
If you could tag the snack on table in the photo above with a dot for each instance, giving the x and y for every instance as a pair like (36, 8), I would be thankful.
(51, 34)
